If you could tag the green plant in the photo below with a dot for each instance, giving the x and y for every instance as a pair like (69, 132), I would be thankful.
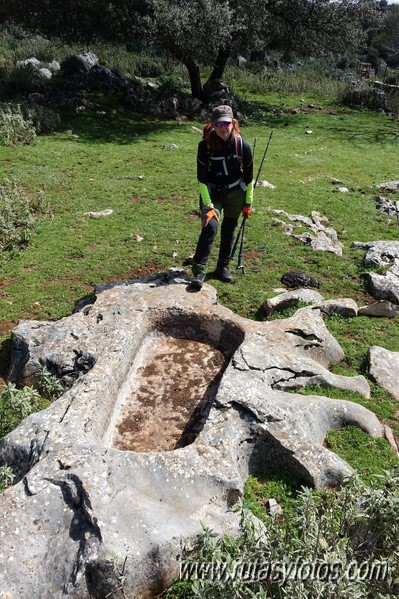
(44, 119)
(50, 387)
(15, 128)
(16, 404)
(18, 215)
(268, 483)
(6, 477)
(20, 123)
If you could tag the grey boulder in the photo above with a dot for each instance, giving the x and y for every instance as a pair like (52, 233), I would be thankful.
(384, 369)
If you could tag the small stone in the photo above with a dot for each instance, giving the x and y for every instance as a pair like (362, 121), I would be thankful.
(107, 212)
(273, 507)
(266, 184)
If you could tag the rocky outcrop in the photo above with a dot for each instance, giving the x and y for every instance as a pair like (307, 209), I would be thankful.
(319, 236)
(171, 401)
(384, 369)
(382, 254)
(379, 253)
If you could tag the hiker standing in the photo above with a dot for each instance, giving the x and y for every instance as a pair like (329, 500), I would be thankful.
(225, 178)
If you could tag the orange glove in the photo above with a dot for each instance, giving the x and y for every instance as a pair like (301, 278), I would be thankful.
(246, 210)
(207, 213)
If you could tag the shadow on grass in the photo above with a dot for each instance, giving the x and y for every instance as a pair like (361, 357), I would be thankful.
(5, 355)
(116, 126)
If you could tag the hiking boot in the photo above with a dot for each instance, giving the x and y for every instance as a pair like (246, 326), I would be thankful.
(198, 281)
(223, 273)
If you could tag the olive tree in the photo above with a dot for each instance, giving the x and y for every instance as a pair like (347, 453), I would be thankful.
(203, 32)
(314, 27)
(207, 32)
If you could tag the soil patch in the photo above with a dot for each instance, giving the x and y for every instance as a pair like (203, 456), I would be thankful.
(169, 395)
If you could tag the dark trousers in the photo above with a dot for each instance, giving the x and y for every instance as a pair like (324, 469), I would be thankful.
(207, 237)
(230, 205)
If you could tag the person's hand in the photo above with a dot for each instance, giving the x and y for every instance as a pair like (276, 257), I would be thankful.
(246, 210)
(208, 212)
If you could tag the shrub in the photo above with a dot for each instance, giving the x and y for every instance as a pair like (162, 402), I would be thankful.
(16, 404)
(6, 477)
(43, 119)
(15, 128)
(50, 387)
(21, 79)
(18, 214)
(337, 543)
(20, 123)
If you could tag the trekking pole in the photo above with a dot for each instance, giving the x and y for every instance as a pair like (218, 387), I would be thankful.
(242, 227)
(263, 159)
(240, 263)
(233, 251)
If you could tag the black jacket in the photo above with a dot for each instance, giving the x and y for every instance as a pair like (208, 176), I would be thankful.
(221, 167)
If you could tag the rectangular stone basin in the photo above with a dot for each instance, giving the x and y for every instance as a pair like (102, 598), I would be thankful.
(167, 396)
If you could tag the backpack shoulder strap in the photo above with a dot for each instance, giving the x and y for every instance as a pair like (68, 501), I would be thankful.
(206, 133)
(238, 142)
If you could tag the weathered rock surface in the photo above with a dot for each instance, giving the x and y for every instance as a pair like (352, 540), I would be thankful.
(80, 498)
(382, 254)
(344, 306)
(382, 308)
(389, 186)
(320, 237)
(291, 298)
(388, 206)
(379, 253)
(385, 286)
(384, 368)
(299, 278)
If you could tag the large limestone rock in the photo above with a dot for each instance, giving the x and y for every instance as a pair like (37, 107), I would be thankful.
(384, 368)
(379, 253)
(171, 401)
(382, 254)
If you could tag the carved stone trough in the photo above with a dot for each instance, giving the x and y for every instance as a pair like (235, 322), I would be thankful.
(171, 401)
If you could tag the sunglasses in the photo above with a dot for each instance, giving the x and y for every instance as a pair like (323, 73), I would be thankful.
(222, 124)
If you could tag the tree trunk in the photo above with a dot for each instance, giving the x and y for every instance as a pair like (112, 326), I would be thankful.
(220, 64)
(195, 79)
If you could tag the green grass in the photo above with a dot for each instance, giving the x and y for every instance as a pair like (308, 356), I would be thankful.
(368, 456)
(271, 484)
(122, 161)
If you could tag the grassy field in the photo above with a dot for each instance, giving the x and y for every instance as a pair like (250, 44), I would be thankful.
(144, 169)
